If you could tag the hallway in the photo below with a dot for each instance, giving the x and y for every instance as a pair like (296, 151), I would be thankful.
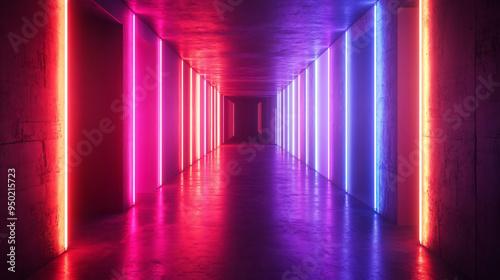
(275, 218)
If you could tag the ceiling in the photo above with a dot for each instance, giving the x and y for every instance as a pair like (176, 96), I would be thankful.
(249, 47)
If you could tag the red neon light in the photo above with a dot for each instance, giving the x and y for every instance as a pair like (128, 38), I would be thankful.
(424, 91)
(65, 125)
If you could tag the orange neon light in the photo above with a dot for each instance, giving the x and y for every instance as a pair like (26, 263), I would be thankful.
(65, 125)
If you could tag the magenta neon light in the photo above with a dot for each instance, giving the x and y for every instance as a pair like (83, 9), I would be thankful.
(328, 110)
(204, 117)
(306, 117)
(298, 117)
(133, 109)
(191, 118)
(182, 115)
(160, 114)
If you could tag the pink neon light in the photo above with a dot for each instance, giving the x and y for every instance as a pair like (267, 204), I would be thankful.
(198, 117)
(191, 119)
(223, 118)
(234, 131)
(133, 109)
(219, 119)
(182, 114)
(205, 117)
(298, 116)
(328, 110)
(160, 114)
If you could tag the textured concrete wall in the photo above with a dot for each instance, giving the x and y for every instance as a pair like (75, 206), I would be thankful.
(31, 130)
(387, 90)
(463, 136)
(449, 139)
(487, 38)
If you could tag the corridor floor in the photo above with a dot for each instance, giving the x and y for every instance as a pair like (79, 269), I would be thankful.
(235, 216)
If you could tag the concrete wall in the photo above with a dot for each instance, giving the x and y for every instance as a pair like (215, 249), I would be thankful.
(31, 130)
(487, 66)
(387, 108)
(462, 136)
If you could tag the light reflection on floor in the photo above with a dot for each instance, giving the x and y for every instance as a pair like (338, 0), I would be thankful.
(276, 219)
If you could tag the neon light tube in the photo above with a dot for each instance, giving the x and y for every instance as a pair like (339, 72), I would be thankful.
(307, 115)
(219, 135)
(223, 119)
(375, 190)
(298, 117)
(212, 98)
(133, 109)
(66, 125)
(278, 119)
(210, 121)
(346, 110)
(293, 118)
(289, 130)
(328, 110)
(316, 117)
(198, 116)
(420, 102)
(182, 114)
(205, 116)
(160, 114)
(191, 118)
(234, 131)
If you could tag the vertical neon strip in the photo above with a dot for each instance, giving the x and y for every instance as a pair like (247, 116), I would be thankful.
(133, 109)
(198, 115)
(420, 102)
(234, 131)
(279, 119)
(65, 124)
(298, 117)
(223, 119)
(288, 122)
(205, 95)
(375, 190)
(218, 119)
(293, 117)
(346, 99)
(212, 94)
(316, 116)
(182, 114)
(328, 121)
(307, 116)
(210, 121)
(191, 119)
(160, 114)
(276, 120)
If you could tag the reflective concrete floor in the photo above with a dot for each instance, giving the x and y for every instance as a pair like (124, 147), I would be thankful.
(232, 216)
